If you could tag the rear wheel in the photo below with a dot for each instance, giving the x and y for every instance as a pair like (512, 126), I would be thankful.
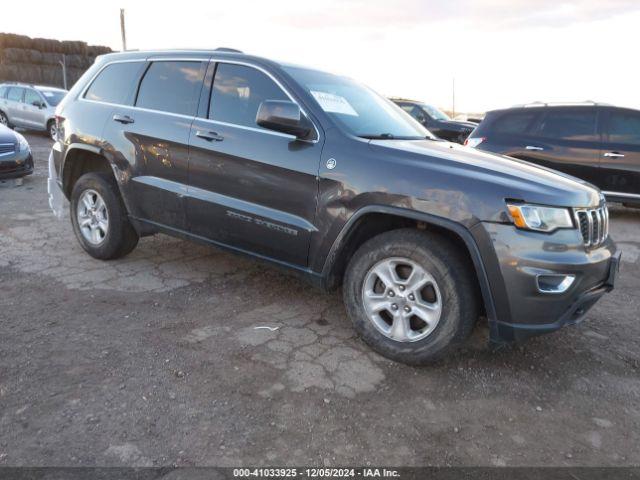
(4, 120)
(411, 295)
(52, 130)
(99, 217)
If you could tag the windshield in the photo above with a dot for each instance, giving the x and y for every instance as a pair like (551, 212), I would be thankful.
(356, 108)
(435, 113)
(53, 97)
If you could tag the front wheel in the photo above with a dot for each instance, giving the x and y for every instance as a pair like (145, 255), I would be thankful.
(411, 295)
(99, 217)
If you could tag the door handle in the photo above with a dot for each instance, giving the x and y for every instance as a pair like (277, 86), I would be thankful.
(533, 147)
(124, 119)
(209, 136)
(614, 154)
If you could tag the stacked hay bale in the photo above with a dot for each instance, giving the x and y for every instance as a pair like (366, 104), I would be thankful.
(36, 60)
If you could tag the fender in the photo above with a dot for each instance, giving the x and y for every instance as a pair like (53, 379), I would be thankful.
(460, 230)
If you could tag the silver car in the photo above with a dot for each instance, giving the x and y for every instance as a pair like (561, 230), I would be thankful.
(30, 106)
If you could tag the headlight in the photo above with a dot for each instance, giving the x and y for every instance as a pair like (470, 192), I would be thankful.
(23, 145)
(539, 218)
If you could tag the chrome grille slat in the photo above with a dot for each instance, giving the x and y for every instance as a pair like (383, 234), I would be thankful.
(7, 148)
(593, 224)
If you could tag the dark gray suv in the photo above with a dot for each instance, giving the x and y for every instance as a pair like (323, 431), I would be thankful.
(317, 173)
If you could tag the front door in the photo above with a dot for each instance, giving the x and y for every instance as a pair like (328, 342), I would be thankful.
(33, 109)
(620, 155)
(251, 188)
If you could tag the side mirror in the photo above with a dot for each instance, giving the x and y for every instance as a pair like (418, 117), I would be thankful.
(38, 103)
(283, 116)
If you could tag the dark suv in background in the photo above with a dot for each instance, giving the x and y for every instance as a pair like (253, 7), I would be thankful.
(436, 121)
(596, 142)
(316, 173)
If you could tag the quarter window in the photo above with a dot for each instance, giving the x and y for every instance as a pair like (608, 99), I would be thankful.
(514, 123)
(237, 93)
(114, 83)
(172, 87)
(3, 91)
(569, 125)
(15, 94)
(624, 127)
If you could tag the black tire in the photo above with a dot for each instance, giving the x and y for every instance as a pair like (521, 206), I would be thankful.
(51, 129)
(121, 238)
(456, 283)
(4, 120)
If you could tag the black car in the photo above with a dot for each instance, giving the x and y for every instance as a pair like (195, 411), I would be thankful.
(436, 121)
(596, 142)
(318, 174)
(15, 155)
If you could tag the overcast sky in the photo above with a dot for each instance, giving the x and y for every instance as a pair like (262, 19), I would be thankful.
(500, 52)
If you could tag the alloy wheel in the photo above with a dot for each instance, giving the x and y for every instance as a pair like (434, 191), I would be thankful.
(93, 217)
(402, 299)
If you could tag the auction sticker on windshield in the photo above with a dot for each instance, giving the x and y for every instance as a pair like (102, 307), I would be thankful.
(334, 103)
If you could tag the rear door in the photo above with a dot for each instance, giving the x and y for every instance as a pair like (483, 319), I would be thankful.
(566, 139)
(251, 188)
(620, 160)
(153, 135)
(14, 105)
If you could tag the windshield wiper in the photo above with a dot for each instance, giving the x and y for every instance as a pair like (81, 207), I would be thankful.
(381, 136)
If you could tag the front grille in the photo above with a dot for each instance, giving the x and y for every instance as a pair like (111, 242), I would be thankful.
(594, 225)
(6, 148)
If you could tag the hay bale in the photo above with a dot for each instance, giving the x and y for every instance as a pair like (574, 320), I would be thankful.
(11, 40)
(74, 47)
(48, 45)
(20, 55)
(95, 50)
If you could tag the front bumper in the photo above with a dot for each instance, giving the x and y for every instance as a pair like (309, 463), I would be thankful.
(520, 257)
(17, 166)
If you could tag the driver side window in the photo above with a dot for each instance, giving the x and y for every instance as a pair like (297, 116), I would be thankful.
(30, 96)
(237, 93)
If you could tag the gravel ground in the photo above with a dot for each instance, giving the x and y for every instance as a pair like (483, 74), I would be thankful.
(155, 359)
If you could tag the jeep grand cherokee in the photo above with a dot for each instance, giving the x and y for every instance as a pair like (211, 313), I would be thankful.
(317, 173)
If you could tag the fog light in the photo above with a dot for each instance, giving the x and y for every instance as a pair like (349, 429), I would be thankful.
(554, 283)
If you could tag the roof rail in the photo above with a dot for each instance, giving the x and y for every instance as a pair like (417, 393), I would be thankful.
(228, 50)
(554, 104)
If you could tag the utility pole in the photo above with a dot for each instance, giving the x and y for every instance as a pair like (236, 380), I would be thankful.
(122, 30)
(453, 91)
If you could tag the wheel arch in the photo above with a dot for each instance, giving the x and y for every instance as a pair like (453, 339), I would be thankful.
(376, 219)
(80, 159)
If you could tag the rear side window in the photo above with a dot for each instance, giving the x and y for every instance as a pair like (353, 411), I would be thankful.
(514, 123)
(172, 87)
(624, 127)
(15, 94)
(569, 125)
(238, 92)
(114, 83)
(3, 91)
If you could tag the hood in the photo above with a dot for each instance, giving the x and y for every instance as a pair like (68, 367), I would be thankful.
(7, 135)
(497, 174)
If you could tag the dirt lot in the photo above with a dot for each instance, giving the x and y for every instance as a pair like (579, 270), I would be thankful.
(155, 360)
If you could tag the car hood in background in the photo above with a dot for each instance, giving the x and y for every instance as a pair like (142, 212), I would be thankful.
(508, 177)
